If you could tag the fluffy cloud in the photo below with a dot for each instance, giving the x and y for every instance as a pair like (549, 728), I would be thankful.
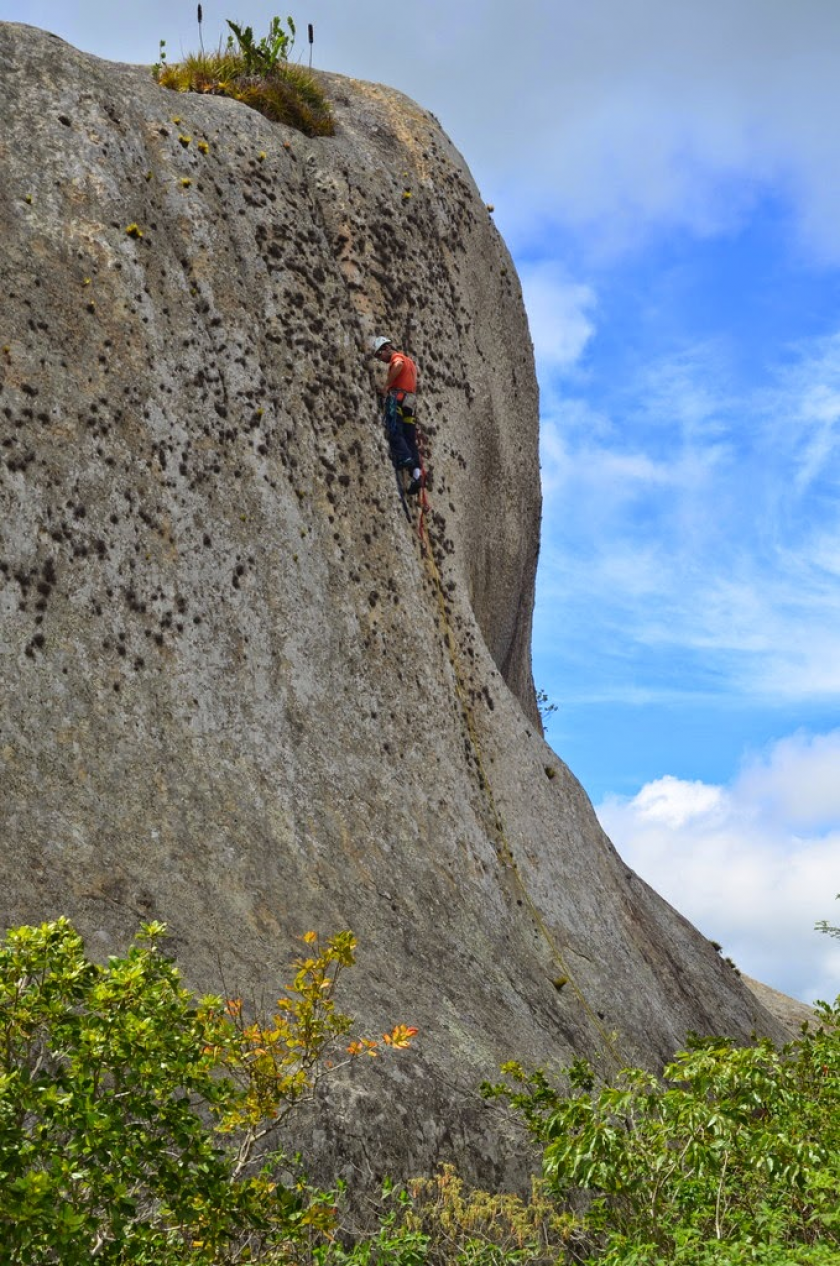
(753, 864)
(652, 114)
(559, 313)
(797, 782)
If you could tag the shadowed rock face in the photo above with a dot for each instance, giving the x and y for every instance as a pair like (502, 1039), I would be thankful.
(236, 694)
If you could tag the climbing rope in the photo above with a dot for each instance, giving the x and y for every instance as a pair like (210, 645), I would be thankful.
(609, 1039)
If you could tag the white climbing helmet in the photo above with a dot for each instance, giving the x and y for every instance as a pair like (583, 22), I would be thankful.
(379, 343)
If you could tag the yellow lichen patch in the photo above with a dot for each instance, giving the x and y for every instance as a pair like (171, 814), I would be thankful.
(409, 123)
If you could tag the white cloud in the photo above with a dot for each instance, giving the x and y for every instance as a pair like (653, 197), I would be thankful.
(819, 415)
(670, 802)
(688, 113)
(753, 864)
(586, 470)
(797, 782)
(559, 315)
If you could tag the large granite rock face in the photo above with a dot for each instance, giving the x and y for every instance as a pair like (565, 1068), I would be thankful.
(236, 694)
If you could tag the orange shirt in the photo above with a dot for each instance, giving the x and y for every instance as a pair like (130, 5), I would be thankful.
(406, 377)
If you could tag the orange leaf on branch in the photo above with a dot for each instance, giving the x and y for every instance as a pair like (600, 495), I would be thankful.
(400, 1036)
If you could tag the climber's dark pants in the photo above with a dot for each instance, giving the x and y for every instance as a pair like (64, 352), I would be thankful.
(401, 430)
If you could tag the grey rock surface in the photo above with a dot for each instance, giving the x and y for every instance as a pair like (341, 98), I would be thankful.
(236, 694)
(788, 1011)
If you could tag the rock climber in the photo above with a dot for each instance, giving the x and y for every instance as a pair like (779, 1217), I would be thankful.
(400, 394)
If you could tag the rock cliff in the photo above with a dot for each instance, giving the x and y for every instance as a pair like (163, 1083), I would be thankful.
(237, 695)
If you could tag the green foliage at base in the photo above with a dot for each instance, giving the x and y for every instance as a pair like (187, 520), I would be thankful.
(139, 1126)
(732, 1157)
(257, 73)
(439, 1221)
(135, 1122)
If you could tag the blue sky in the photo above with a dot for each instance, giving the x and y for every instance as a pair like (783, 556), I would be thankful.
(667, 176)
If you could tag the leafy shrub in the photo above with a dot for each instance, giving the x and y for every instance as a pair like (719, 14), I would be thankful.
(488, 1228)
(439, 1221)
(257, 73)
(824, 926)
(140, 1126)
(134, 1121)
(732, 1157)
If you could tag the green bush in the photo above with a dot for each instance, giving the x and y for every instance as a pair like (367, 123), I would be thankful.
(140, 1126)
(732, 1157)
(439, 1221)
(135, 1123)
(261, 57)
(257, 73)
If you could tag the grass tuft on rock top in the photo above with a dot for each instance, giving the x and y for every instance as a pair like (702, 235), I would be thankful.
(282, 92)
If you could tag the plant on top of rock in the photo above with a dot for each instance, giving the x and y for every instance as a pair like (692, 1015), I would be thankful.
(257, 73)
(261, 57)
